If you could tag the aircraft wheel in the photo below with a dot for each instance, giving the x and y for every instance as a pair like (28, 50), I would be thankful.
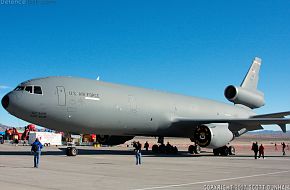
(162, 149)
(225, 151)
(71, 151)
(191, 149)
(155, 148)
(175, 150)
(232, 150)
(216, 152)
(197, 149)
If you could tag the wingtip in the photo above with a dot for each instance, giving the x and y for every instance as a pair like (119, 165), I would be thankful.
(283, 127)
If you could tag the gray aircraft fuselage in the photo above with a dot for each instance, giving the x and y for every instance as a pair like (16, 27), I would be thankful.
(78, 105)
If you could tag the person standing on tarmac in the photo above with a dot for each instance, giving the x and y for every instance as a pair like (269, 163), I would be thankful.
(36, 150)
(146, 146)
(261, 151)
(255, 148)
(283, 148)
(138, 153)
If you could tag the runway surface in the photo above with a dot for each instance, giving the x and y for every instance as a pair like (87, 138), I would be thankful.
(114, 168)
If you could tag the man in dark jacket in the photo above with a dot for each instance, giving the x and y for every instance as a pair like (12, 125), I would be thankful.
(36, 150)
(261, 151)
(283, 148)
(255, 148)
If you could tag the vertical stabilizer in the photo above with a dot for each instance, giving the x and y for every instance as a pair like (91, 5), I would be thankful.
(252, 78)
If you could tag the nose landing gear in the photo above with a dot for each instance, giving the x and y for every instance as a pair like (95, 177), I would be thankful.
(71, 151)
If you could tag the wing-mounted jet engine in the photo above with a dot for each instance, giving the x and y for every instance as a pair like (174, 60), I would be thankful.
(215, 136)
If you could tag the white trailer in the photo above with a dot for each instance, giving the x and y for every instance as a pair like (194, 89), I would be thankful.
(46, 138)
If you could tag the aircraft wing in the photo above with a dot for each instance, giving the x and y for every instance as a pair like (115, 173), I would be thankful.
(250, 124)
(273, 115)
(249, 121)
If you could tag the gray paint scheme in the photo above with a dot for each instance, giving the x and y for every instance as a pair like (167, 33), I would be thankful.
(80, 105)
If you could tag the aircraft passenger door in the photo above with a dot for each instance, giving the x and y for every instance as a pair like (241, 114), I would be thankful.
(173, 111)
(132, 104)
(61, 95)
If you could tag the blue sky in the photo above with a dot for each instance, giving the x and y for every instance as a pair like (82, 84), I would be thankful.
(190, 47)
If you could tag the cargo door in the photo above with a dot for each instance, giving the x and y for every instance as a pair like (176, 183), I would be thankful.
(61, 95)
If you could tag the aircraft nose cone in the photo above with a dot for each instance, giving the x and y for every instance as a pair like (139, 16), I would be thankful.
(5, 102)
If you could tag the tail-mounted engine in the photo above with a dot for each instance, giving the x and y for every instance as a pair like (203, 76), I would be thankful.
(213, 135)
(248, 97)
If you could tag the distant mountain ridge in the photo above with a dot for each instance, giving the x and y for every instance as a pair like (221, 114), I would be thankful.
(3, 127)
(268, 132)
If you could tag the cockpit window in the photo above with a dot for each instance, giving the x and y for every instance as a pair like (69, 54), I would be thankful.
(37, 90)
(28, 89)
(19, 88)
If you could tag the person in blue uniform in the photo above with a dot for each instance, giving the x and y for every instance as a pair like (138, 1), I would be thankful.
(36, 150)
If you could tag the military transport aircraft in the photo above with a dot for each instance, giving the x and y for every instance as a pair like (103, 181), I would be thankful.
(119, 112)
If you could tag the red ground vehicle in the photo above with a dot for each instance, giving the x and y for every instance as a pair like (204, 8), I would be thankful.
(13, 134)
(28, 128)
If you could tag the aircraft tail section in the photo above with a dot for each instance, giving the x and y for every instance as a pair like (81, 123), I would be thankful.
(247, 94)
(252, 78)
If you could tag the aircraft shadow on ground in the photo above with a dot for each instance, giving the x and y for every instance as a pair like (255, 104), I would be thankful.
(126, 152)
(96, 152)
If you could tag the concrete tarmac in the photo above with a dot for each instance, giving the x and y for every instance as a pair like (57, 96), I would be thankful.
(114, 168)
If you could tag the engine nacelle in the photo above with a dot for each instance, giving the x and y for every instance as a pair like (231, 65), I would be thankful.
(213, 135)
(250, 98)
(112, 140)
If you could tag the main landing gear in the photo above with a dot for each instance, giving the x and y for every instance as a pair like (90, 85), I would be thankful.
(224, 151)
(194, 149)
(164, 149)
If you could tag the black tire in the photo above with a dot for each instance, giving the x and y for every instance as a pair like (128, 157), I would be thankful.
(175, 150)
(197, 149)
(232, 150)
(225, 151)
(216, 152)
(71, 151)
(162, 149)
(155, 148)
(191, 149)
